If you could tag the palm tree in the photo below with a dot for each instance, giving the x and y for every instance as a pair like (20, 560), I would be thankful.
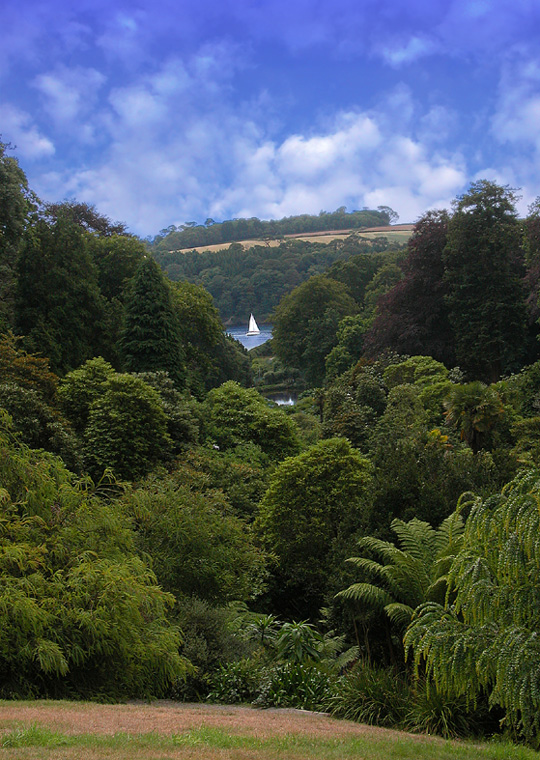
(476, 410)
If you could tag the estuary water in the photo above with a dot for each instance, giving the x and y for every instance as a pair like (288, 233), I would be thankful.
(250, 341)
(283, 398)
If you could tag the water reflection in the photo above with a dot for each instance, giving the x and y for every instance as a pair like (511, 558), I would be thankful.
(282, 399)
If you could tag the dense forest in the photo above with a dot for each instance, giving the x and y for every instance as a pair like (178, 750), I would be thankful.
(165, 531)
(241, 281)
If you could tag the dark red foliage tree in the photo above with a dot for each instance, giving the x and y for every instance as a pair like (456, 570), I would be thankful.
(412, 317)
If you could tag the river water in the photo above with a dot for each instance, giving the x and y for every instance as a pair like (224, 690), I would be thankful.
(250, 341)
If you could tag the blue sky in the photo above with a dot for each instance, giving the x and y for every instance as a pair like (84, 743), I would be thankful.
(165, 111)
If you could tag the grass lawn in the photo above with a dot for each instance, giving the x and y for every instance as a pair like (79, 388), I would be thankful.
(47, 730)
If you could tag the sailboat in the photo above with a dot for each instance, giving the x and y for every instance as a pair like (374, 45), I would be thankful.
(252, 327)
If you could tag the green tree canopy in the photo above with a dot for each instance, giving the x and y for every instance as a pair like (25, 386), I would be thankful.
(127, 429)
(484, 638)
(306, 321)
(59, 307)
(412, 317)
(234, 416)
(315, 504)
(80, 612)
(476, 410)
(404, 578)
(210, 357)
(81, 387)
(16, 204)
(199, 548)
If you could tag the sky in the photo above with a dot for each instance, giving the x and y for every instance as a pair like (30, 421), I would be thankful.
(160, 112)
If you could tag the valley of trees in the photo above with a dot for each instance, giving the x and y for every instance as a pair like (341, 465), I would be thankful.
(165, 531)
(237, 278)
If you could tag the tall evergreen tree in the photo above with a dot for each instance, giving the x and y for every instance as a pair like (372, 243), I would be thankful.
(16, 203)
(484, 266)
(151, 339)
(59, 308)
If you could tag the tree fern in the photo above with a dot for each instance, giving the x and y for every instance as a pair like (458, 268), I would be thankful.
(406, 576)
(487, 634)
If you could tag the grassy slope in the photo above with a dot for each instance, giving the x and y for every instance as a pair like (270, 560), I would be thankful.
(170, 731)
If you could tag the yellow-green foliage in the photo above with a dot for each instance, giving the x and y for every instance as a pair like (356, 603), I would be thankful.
(409, 575)
(79, 611)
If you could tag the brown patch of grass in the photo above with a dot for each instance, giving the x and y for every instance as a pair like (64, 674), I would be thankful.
(166, 718)
(167, 730)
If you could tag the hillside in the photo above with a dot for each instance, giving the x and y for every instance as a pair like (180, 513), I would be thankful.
(396, 233)
(191, 235)
(253, 276)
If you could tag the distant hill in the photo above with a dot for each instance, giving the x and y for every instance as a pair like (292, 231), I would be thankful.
(394, 234)
(191, 235)
(253, 276)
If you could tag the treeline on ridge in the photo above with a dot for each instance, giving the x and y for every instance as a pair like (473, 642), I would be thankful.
(192, 235)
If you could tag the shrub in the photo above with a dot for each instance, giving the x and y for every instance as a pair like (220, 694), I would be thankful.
(208, 641)
(432, 712)
(306, 686)
(373, 695)
(235, 682)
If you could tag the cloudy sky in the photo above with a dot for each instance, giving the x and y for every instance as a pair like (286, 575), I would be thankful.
(165, 111)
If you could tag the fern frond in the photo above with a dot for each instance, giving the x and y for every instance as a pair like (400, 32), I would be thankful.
(366, 593)
(399, 614)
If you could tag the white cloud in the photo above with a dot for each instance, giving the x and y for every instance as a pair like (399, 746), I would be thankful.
(307, 158)
(19, 129)
(412, 50)
(342, 167)
(515, 125)
(69, 94)
(175, 144)
(518, 109)
(222, 165)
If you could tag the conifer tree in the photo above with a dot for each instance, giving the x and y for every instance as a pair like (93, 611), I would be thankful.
(59, 308)
(484, 267)
(151, 339)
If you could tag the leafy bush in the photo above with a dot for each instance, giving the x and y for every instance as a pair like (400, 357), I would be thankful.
(381, 697)
(209, 639)
(306, 686)
(235, 682)
(199, 548)
(80, 613)
(127, 429)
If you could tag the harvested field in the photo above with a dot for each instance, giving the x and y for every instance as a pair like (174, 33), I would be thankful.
(398, 233)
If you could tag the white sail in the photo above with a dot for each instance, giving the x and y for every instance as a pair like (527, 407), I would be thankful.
(252, 327)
